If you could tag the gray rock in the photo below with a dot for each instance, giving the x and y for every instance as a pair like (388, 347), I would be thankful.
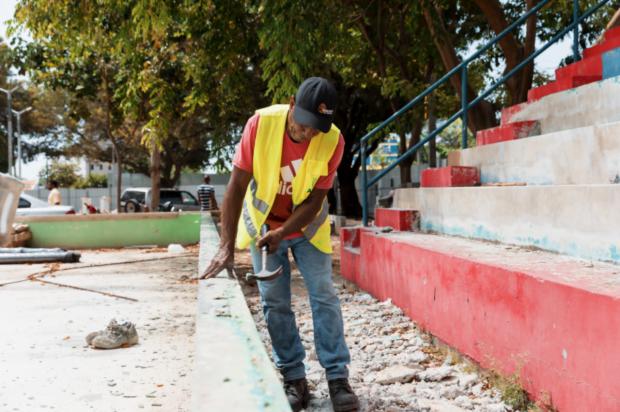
(436, 374)
(464, 402)
(466, 381)
(450, 392)
(397, 373)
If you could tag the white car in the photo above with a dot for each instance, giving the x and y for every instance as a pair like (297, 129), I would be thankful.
(31, 206)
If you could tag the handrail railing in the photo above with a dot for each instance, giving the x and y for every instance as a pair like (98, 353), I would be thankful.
(465, 106)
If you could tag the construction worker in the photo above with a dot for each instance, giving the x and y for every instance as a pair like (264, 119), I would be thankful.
(284, 166)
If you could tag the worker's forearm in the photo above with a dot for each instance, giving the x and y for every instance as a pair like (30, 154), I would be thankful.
(231, 210)
(231, 207)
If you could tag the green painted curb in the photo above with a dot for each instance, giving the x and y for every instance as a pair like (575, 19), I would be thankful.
(113, 231)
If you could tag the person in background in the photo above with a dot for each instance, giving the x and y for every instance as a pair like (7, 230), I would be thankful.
(54, 198)
(206, 195)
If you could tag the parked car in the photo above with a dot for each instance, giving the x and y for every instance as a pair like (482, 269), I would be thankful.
(31, 206)
(138, 199)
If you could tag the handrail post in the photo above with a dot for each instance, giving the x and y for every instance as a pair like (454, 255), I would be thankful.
(464, 106)
(576, 30)
(363, 185)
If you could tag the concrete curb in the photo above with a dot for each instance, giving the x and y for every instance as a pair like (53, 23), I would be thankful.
(232, 371)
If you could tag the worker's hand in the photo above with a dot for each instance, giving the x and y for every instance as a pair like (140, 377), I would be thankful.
(271, 238)
(223, 259)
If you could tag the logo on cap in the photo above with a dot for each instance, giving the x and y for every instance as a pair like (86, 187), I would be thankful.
(324, 110)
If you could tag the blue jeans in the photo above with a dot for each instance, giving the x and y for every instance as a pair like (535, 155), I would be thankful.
(316, 269)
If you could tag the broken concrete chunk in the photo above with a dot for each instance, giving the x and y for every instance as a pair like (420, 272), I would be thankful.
(436, 374)
(397, 373)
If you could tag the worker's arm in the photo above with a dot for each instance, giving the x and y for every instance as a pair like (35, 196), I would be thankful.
(231, 210)
(301, 217)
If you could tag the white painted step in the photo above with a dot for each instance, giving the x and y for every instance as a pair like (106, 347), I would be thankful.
(576, 220)
(587, 155)
(588, 105)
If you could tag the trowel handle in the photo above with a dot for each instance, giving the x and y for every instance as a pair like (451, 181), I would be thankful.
(263, 231)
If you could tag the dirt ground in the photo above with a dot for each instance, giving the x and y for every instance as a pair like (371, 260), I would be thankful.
(45, 363)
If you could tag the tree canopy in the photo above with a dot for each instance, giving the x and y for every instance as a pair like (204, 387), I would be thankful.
(131, 79)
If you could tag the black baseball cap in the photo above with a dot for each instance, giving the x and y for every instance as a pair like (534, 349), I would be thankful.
(315, 103)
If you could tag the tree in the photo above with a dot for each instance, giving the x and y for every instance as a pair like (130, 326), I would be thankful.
(66, 174)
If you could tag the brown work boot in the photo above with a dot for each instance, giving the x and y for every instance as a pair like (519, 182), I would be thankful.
(297, 394)
(343, 397)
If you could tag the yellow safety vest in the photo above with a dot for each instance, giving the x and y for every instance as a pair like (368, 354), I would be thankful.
(261, 193)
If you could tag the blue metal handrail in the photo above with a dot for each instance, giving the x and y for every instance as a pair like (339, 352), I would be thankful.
(465, 106)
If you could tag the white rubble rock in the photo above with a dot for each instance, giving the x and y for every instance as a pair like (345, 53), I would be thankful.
(397, 373)
(497, 407)
(450, 392)
(175, 248)
(436, 374)
(464, 402)
(466, 381)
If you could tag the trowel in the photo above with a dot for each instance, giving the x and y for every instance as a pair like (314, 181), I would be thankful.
(264, 274)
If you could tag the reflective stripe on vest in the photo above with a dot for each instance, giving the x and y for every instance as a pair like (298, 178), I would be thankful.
(261, 205)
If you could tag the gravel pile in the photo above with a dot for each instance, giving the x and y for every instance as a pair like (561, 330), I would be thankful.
(394, 366)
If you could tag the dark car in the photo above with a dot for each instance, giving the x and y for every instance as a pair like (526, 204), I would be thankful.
(138, 199)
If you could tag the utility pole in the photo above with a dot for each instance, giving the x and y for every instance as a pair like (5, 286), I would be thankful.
(18, 115)
(9, 122)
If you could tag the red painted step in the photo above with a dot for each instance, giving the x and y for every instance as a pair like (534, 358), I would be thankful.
(592, 66)
(552, 320)
(560, 85)
(510, 131)
(606, 45)
(397, 219)
(509, 112)
(612, 33)
(450, 176)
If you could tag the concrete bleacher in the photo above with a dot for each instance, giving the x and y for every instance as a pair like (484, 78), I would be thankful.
(519, 269)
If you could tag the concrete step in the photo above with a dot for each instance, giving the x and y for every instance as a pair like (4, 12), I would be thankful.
(450, 176)
(611, 64)
(559, 85)
(576, 220)
(552, 320)
(506, 132)
(509, 112)
(588, 155)
(592, 66)
(592, 104)
(397, 219)
(611, 42)
(612, 33)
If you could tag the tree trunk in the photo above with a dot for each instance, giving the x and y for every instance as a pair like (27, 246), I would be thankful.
(519, 84)
(155, 177)
(482, 115)
(119, 174)
(348, 193)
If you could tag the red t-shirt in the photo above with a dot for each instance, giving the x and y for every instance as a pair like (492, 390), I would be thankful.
(292, 155)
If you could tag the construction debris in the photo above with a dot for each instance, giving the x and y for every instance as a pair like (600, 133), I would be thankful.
(20, 235)
(394, 366)
(30, 255)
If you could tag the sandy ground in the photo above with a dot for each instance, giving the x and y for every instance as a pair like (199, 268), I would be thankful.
(45, 363)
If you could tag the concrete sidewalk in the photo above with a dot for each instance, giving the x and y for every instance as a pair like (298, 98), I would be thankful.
(45, 363)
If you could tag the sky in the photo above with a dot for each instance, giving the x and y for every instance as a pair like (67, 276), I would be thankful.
(546, 62)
